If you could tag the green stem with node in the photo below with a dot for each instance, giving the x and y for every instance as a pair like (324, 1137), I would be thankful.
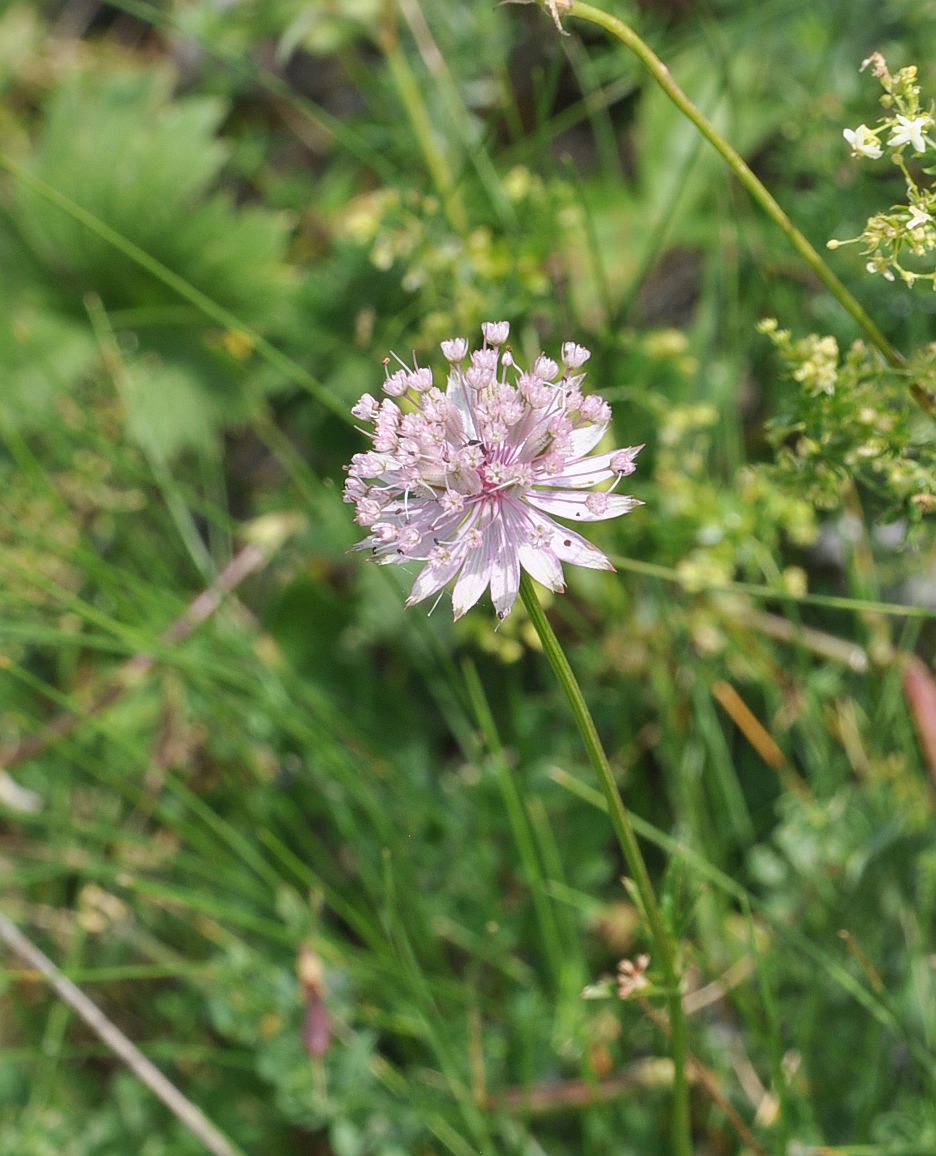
(663, 944)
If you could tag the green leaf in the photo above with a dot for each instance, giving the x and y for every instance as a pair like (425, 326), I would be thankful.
(43, 350)
(123, 149)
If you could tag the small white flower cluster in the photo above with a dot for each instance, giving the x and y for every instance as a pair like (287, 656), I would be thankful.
(904, 130)
(906, 123)
(906, 227)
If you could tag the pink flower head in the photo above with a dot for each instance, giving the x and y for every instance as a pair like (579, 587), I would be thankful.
(468, 480)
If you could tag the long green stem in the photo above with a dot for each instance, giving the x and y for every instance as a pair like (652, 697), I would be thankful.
(437, 165)
(739, 167)
(519, 824)
(633, 856)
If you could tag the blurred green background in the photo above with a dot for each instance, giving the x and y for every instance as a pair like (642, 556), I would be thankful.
(216, 219)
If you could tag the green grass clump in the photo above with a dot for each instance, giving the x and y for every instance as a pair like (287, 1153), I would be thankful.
(213, 227)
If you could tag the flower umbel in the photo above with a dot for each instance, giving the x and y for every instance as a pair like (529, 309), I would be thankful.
(467, 480)
(903, 229)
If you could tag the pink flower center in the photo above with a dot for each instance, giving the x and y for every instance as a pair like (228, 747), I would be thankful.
(495, 475)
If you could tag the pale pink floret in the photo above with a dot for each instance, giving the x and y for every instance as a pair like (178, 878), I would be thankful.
(467, 480)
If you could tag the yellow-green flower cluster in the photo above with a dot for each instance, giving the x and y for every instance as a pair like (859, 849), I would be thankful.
(719, 531)
(850, 421)
(407, 232)
(906, 228)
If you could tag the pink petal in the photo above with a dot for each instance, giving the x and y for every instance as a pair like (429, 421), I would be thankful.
(543, 565)
(505, 572)
(571, 547)
(459, 400)
(588, 471)
(566, 504)
(475, 575)
(582, 474)
(586, 437)
(538, 561)
(432, 579)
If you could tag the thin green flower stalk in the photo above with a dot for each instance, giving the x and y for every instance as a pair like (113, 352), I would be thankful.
(624, 830)
(517, 816)
(661, 74)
